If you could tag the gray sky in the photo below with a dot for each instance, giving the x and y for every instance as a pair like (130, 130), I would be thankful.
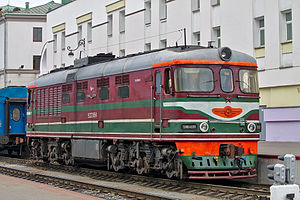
(21, 3)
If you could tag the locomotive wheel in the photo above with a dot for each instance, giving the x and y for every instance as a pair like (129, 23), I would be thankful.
(173, 168)
(35, 150)
(68, 159)
(53, 155)
(117, 163)
(142, 165)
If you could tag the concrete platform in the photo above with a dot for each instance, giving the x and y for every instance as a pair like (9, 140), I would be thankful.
(12, 188)
(23, 187)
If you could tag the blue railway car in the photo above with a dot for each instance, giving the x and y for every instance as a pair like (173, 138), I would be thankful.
(12, 118)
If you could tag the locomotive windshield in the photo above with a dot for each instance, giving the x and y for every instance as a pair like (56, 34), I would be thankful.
(193, 80)
(248, 81)
(226, 80)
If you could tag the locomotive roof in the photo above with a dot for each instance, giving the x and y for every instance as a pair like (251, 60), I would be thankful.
(135, 63)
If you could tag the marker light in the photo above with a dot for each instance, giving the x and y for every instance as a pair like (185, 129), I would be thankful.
(251, 127)
(204, 127)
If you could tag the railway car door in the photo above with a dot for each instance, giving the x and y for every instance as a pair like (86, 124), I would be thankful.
(157, 103)
(17, 118)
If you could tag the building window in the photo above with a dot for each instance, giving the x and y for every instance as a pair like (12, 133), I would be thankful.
(54, 43)
(122, 21)
(288, 22)
(63, 41)
(163, 9)
(79, 30)
(37, 34)
(89, 32)
(217, 36)
(196, 38)
(215, 2)
(163, 44)
(122, 53)
(109, 25)
(261, 26)
(36, 62)
(148, 47)
(147, 12)
(195, 5)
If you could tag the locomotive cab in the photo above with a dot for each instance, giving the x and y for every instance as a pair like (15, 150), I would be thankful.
(216, 103)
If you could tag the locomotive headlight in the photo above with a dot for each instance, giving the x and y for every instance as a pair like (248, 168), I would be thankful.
(251, 127)
(225, 53)
(204, 127)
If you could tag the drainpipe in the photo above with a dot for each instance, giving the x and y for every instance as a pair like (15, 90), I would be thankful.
(5, 50)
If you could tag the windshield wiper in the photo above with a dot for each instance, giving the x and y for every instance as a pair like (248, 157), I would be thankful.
(243, 82)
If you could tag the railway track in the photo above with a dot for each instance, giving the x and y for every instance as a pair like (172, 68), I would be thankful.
(217, 191)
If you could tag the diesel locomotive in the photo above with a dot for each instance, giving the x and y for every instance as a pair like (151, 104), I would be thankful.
(13, 119)
(186, 112)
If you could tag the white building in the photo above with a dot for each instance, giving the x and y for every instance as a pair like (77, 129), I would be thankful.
(22, 36)
(266, 29)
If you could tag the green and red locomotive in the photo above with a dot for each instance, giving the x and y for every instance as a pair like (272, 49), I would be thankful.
(181, 111)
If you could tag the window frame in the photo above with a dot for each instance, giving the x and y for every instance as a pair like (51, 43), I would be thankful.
(82, 92)
(287, 23)
(197, 38)
(221, 85)
(260, 30)
(79, 32)
(62, 96)
(122, 21)
(196, 4)
(242, 81)
(163, 10)
(119, 91)
(55, 43)
(109, 25)
(218, 37)
(89, 32)
(34, 60)
(147, 13)
(100, 92)
(63, 40)
(147, 46)
(213, 82)
(37, 34)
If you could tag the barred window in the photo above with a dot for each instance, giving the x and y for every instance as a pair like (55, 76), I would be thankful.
(82, 86)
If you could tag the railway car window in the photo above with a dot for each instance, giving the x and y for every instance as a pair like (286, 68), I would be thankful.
(248, 81)
(16, 114)
(226, 77)
(65, 98)
(123, 92)
(104, 93)
(193, 80)
(80, 97)
(158, 82)
(168, 83)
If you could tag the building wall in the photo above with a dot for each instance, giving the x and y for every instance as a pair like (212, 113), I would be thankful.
(1, 45)
(278, 58)
(20, 49)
